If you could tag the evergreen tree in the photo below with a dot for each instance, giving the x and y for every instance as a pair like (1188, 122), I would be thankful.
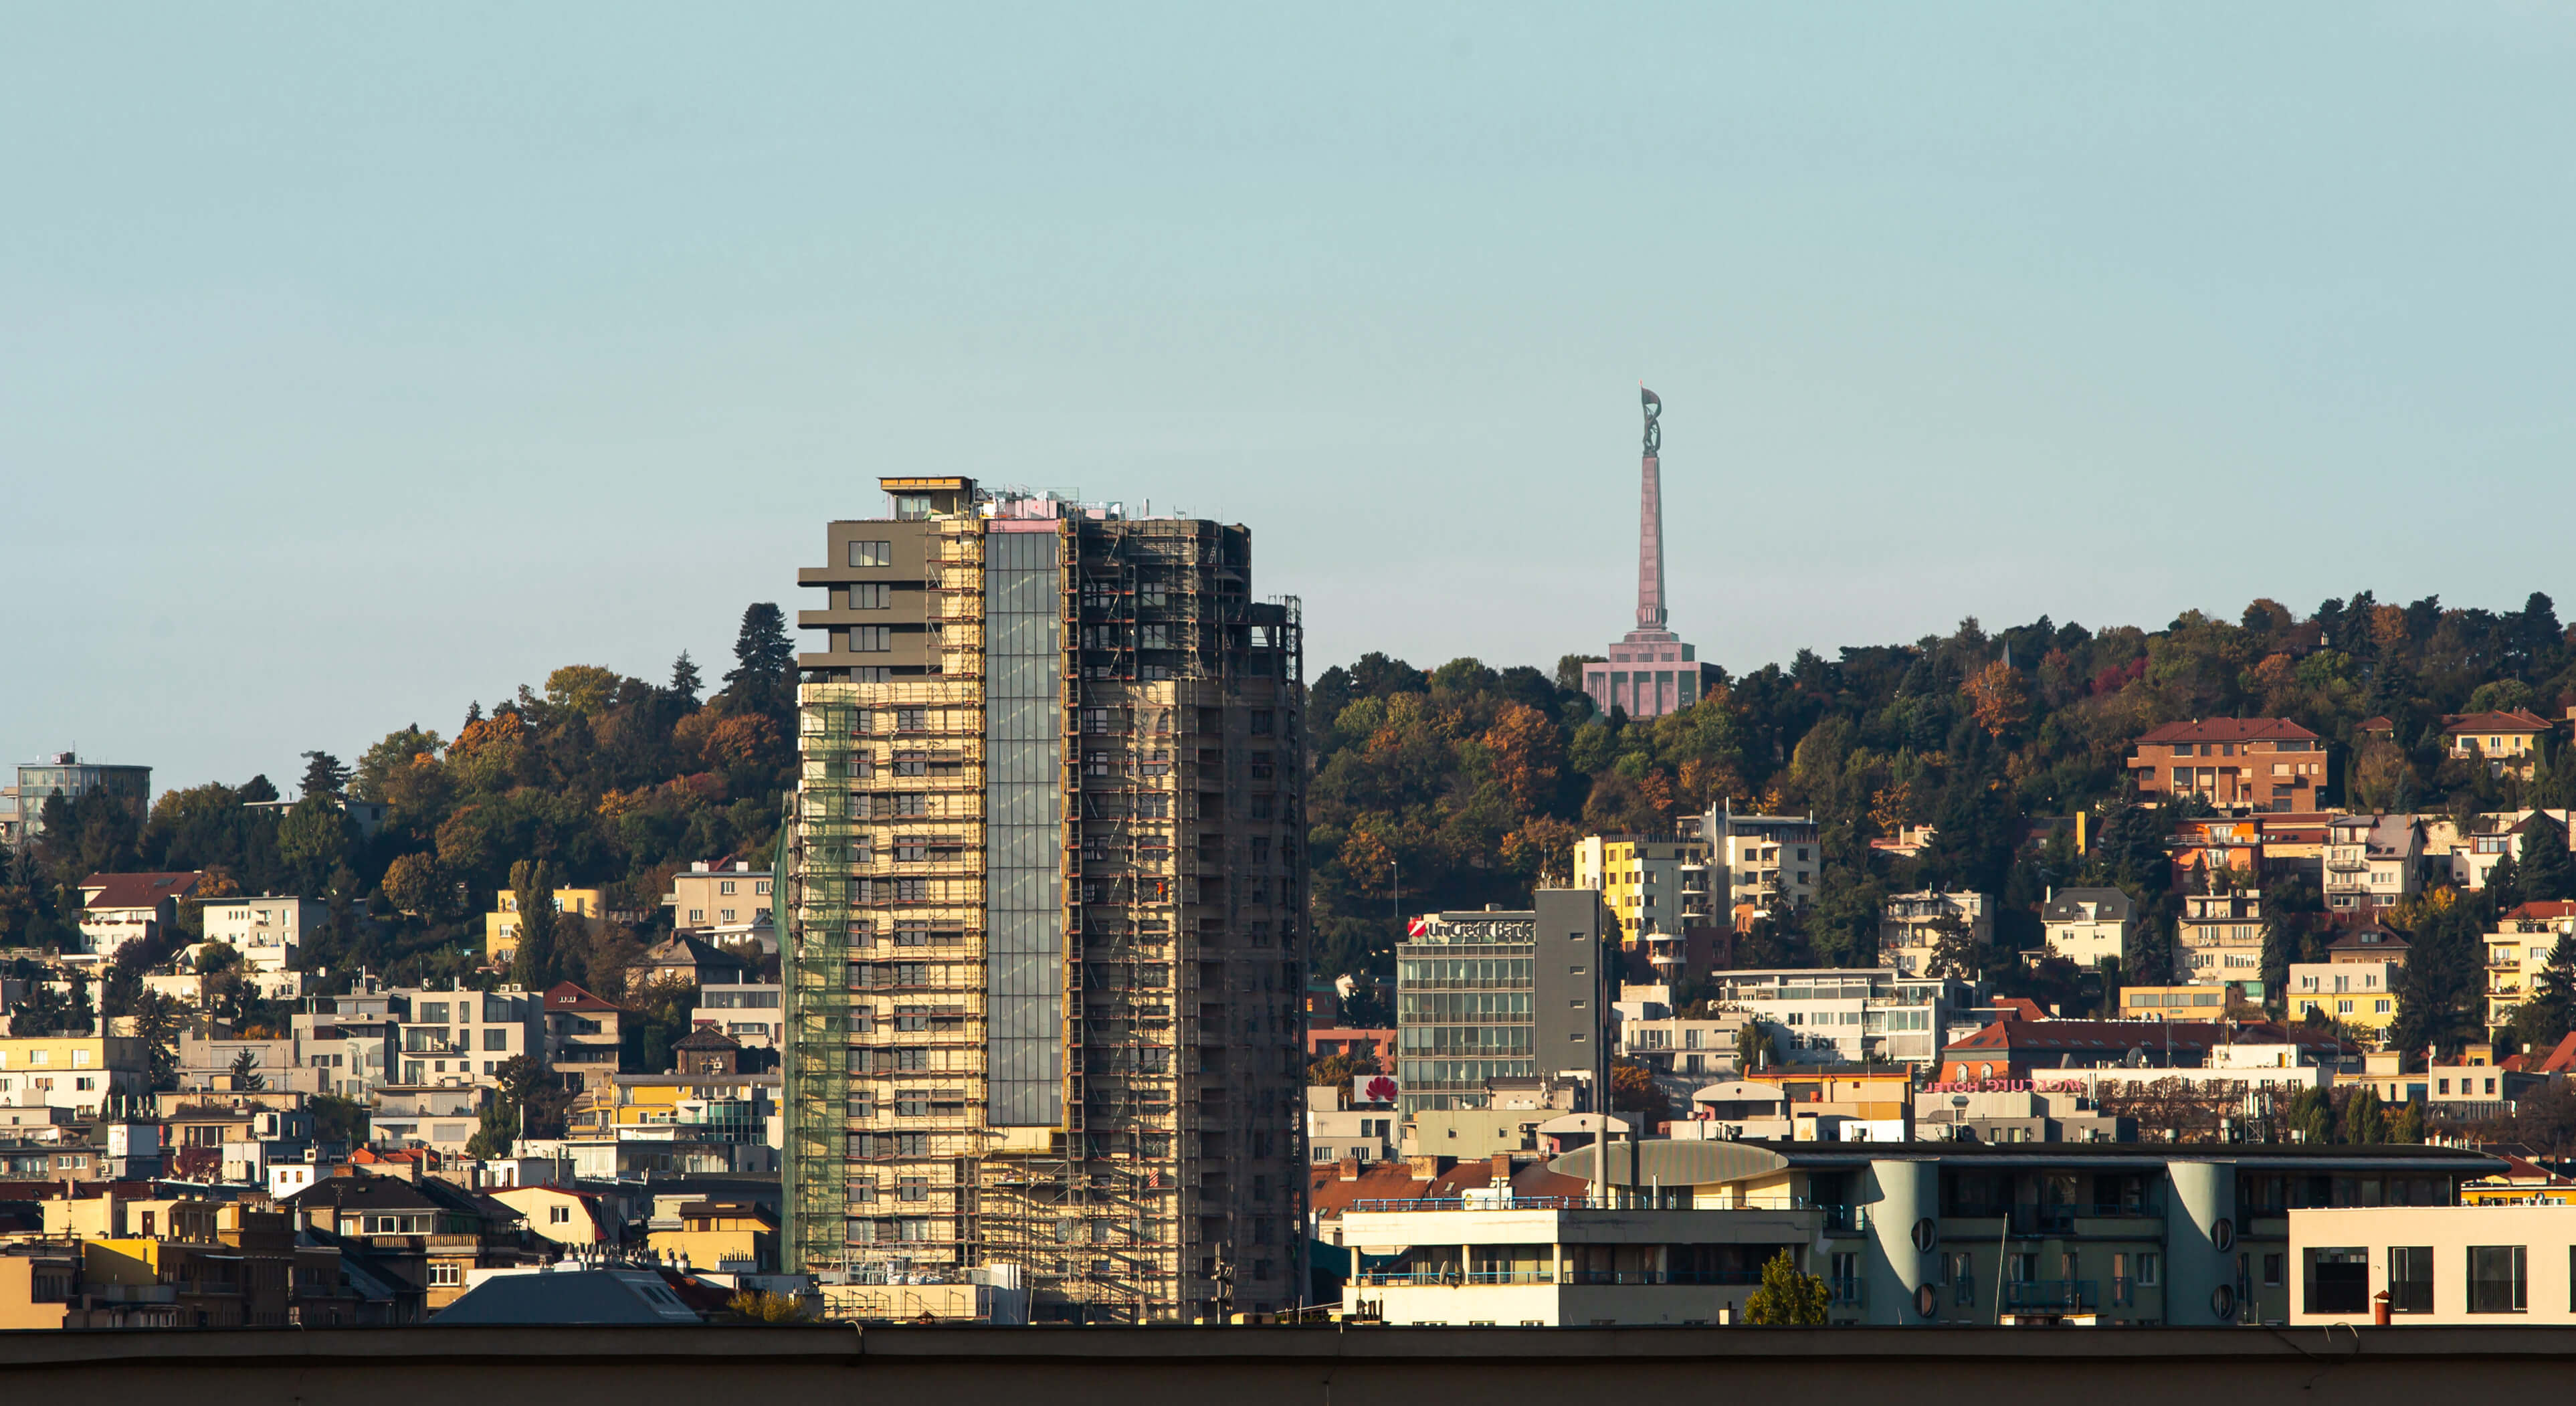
(2547, 872)
(245, 1072)
(2504, 884)
(763, 678)
(2545, 1017)
(2441, 991)
(157, 1022)
(499, 1126)
(43, 1011)
(258, 788)
(2408, 1125)
(685, 682)
(532, 884)
(2312, 1116)
(1787, 1298)
(2364, 1121)
(323, 775)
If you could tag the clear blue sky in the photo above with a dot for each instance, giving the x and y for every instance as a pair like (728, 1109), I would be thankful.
(356, 365)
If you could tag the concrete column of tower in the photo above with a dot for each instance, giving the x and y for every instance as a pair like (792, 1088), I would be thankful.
(1650, 548)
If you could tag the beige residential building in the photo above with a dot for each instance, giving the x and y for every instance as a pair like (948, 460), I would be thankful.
(2219, 939)
(1761, 862)
(2518, 951)
(1911, 926)
(84, 1073)
(724, 901)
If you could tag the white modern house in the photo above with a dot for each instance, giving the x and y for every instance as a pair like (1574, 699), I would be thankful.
(266, 930)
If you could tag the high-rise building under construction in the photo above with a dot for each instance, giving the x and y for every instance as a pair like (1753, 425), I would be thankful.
(1046, 948)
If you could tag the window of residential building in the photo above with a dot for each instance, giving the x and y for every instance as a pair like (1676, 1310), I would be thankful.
(872, 554)
(2338, 1280)
(2497, 1280)
(2410, 1279)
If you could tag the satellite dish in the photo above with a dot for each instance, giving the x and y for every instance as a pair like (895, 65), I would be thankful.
(2137, 1058)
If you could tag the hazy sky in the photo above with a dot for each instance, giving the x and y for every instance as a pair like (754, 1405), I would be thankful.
(358, 362)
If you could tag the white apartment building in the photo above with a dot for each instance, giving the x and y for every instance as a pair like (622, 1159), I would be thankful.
(1911, 924)
(2372, 861)
(1759, 862)
(1847, 1015)
(2089, 926)
(464, 1037)
(752, 1014)
(1338, 1130)
(267, 930)
(1692, 1048)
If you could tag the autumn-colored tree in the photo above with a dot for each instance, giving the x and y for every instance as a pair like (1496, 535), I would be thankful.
(742, 739)
(1891, 808)
(1527, 754)
(1633, 1090)
(417, 884)
(1999, 700)
(1368, 860)
(1542, 848)
(487, 732)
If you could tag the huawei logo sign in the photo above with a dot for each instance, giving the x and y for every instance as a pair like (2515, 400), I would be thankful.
(1380, 1090)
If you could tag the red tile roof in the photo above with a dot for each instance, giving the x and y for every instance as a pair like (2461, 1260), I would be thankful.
(565, 996)
(2230, 730)
(1328, 1195)
(2021, 1008)
(2541, 910)
(103, 891)
(2560, 1058)
(2518, 720)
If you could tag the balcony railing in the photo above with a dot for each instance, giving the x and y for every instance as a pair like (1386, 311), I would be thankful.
(1846, 1291)
(2060, 1294)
